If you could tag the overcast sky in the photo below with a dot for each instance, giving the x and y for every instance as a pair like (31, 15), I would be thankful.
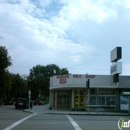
(74, 34)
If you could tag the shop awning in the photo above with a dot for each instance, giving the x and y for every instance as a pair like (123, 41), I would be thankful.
(126, 93)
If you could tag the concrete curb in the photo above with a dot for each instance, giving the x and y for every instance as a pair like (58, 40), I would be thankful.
(29, 111)
(53, 112)
(85, 114)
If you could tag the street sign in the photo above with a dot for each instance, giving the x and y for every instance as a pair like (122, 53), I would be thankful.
(29, 92)
(29, 96)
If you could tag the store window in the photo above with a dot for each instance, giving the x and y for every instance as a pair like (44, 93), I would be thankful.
(110, 100)
(101, 97)
(101, 100)
(93, 100)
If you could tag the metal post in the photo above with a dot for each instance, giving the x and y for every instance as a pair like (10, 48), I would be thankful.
(97, 99)
(88, 101)
(88, 86)
(29, 96)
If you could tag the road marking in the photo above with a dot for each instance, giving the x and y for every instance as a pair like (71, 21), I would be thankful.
(18, 122)
(75, 125)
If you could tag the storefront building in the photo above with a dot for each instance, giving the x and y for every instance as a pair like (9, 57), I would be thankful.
(70, 92)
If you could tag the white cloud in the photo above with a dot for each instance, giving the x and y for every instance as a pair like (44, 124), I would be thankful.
(87, 9)
(45, 2)
(127, 4)
(75, 38)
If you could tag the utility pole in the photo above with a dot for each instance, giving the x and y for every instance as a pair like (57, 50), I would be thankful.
(88, 86)
(29, 93)
(97, 99)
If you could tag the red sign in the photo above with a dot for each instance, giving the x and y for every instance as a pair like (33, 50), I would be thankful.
(76, 76)
(62, 80)
(62, 76)
(90, 76)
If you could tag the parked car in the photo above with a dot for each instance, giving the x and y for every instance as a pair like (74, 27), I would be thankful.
(21, 103)
(37, 102)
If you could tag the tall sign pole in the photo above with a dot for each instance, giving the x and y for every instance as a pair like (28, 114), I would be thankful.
(88, 86)
(29, 97)
(116, 67)
(29, 93)
(97, 99)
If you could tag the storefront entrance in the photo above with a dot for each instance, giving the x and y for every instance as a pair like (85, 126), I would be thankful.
(63, 99)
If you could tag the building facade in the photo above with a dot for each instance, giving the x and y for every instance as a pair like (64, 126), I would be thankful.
(70, 92)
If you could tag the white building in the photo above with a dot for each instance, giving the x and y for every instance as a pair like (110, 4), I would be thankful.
(70, 92)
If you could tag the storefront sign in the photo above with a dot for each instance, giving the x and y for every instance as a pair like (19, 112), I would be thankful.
(76, 76)
(116, 68)
(116, 54)
(79, 98)
(62, 76)
(90, 76)
(62, 80)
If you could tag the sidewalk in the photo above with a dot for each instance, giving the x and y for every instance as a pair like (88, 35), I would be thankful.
(69, 112)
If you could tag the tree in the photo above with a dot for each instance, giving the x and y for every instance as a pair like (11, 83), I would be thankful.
(40, 78)
(5, 59)
(5, 79)
(64, 71)
(19, 86)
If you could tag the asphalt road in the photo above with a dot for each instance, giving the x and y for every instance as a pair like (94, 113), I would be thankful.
(8, 116)
(11, 119)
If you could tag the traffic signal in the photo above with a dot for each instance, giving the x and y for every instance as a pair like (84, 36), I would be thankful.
(88, 83)
(30, 85)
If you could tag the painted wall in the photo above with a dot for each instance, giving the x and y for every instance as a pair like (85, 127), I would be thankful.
(79, 81)
(124, 81)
